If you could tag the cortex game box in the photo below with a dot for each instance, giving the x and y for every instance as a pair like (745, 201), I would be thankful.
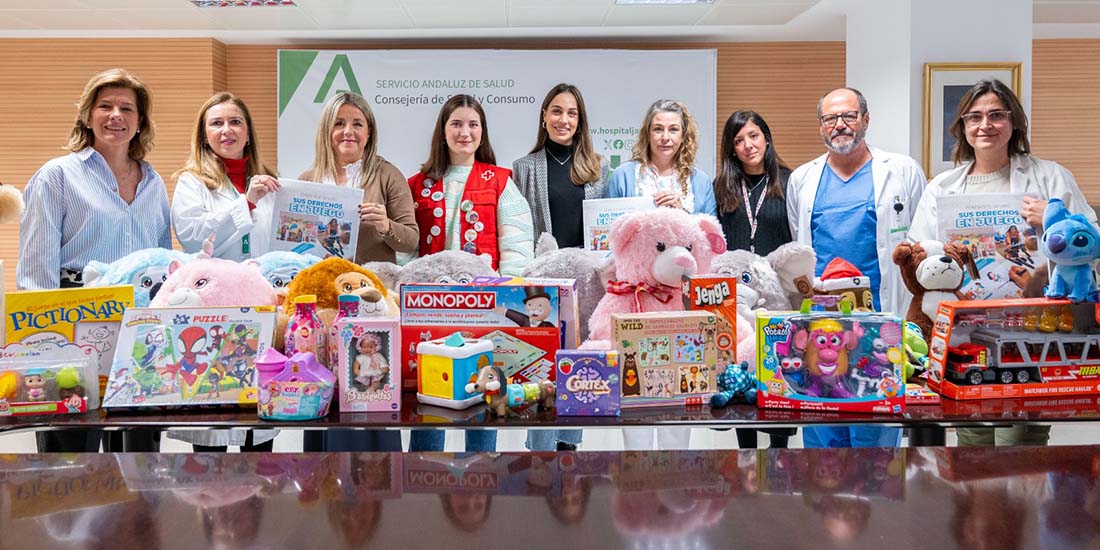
(522, 321)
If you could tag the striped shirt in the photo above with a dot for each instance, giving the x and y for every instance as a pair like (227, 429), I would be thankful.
(515, 230)
(74, 215)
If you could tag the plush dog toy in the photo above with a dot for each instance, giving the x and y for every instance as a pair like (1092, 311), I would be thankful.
(503, 396)
(589, 268)
(736, 381)
(654, 250)
(932, 272)
(208, 281)
(145, 269)
(1072, 243)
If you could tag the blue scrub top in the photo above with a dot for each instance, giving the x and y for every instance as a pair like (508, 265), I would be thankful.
(844, 224)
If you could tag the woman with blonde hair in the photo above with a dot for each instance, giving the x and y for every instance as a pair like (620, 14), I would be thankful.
(346, 153)
(663, 163)
(99, 202)
(219, 186)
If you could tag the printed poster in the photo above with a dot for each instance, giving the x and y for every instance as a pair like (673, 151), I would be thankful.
(1005, 248)
(599, 214)
(311, 218)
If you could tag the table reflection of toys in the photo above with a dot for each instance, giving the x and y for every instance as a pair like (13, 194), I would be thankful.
(1014, 348)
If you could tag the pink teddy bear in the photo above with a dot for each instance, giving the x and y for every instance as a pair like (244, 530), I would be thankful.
(208, 281)
(654, 250)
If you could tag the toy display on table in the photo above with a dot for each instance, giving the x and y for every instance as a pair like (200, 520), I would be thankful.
(520, 319)
(590, 269)
(145, 269)
(54, 321)
(444, 367)
(668, 358)
(654, 250)
(173, 357)
(1072, 244)
(933, 272)
(206, 281)
(830, 362)
(305, 332)
(841, 281)
(736, 384)
(1014, 348)
(280, 267)
(30, 385)
(302, 391)
(504, 397)
(367, 364)
(589, 383)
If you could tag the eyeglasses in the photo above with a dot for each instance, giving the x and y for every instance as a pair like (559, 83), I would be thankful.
(996, 118)
(849, 118)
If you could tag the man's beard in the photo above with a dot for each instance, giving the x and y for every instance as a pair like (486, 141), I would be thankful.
(857, 140)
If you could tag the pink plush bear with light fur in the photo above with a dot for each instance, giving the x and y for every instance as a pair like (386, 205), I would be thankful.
(208, 281)
(654, 250)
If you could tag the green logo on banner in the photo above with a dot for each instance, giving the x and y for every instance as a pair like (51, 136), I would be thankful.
(339, 64)
(293, 66)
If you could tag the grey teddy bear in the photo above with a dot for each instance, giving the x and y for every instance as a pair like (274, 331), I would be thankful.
(590, 269)
(446, 267)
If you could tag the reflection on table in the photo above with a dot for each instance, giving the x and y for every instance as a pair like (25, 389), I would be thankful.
(871, 498)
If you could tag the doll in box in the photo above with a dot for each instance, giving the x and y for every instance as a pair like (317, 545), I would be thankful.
(370, 367)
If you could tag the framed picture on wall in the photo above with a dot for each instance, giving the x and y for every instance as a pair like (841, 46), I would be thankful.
(944, 86)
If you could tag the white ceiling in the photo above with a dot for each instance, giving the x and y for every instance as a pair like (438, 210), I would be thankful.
(746, 20)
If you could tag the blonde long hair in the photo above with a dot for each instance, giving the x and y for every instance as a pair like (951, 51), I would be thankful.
(205, 165)
(324, 158)
(82, 136)
(685, 157)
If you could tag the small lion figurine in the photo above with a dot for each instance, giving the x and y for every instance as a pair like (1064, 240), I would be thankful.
(502, 396)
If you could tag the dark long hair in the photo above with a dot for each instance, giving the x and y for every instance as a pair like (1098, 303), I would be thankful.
(1017, 144)
(586, 162)
(731, 175)
(439, 158)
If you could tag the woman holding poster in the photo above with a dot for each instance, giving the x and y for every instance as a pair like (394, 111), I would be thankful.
(994, 156)
(463, 201)
(346, 154)
(216, 194)
(563, 168)
(219, 186)
(663, 165)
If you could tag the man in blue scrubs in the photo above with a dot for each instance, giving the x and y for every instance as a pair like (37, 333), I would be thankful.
(855, 203)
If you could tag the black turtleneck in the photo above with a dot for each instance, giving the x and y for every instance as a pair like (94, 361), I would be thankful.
(564, 197)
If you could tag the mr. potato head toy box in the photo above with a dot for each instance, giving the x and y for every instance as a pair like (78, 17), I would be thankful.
(522, 320)
(994, 349)
(827, 361)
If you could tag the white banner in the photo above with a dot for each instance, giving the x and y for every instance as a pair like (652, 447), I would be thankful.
(407, 87)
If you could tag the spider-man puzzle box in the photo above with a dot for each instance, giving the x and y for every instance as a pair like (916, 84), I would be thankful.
(522, 320)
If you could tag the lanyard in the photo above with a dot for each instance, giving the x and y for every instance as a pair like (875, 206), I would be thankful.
(245, 247)
(754, 214)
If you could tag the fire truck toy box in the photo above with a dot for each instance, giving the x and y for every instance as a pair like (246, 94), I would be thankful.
(522, 321)
(667, 358)
(994, 349)
(828, 361)
(718, 295)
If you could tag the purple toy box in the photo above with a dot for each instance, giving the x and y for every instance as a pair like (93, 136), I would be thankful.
(588, 383)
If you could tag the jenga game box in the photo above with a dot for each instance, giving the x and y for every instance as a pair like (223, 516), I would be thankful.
(994, 349)
(522, 320)
(717, 295)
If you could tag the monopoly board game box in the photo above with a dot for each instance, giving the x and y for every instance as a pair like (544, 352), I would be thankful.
(522, 320)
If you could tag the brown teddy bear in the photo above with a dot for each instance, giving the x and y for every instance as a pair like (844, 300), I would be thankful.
(933, 272)
(327, 280)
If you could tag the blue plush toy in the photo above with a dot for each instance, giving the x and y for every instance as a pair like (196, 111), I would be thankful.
(736, 380)
(1072, 244)
(279, 267)
(145, 269)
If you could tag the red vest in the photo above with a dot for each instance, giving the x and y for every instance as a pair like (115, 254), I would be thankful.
(478, 226)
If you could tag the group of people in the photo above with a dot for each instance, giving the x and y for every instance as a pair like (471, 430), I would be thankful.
(103, 200)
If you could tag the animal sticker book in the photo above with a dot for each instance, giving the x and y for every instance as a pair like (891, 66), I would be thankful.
(1004, 246)
(85, 317)
(667, 357)
(180, 356)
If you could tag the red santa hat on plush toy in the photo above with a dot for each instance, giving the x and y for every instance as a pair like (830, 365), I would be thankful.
(841, 278)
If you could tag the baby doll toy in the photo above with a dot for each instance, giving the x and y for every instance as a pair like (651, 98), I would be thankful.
(502, 396)
(35, 385)
(370, 367)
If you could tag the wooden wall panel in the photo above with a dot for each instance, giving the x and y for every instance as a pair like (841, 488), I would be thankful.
(1065, 79)
(44, 78)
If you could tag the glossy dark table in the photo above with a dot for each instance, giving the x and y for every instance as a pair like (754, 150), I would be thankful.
(1038, 497)
(927, 423)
